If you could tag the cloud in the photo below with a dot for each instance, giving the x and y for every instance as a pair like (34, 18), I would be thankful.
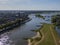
(29, 5)
(12, 2)
(3, 1)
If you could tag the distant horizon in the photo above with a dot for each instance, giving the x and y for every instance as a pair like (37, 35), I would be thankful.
(29, 10)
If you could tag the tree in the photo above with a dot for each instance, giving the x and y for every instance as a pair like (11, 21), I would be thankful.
(56, 20)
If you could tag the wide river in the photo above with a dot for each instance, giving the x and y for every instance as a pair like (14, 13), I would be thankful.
(17, 35)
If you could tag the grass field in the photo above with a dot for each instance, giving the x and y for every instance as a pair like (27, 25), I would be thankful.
(50, 36)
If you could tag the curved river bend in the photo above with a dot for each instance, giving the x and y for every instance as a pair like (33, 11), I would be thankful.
(24, 31)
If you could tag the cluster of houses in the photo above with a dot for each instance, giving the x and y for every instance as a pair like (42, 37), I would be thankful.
(10, 20)
(8, 17)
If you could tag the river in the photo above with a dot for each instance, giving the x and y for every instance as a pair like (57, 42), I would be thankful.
(17, 35)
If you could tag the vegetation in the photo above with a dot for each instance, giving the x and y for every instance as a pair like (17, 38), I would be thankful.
(38, 15)
(9, 24)
(48, 36)
(37, 39)
(56, 20)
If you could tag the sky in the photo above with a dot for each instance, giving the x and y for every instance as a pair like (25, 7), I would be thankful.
(29, 4)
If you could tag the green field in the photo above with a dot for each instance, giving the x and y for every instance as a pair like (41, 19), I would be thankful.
(50, 36)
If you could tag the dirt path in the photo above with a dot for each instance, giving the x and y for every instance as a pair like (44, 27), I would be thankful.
(37, 35)
(49, 28)
(40, 40)
(43, 36)
(53, 35)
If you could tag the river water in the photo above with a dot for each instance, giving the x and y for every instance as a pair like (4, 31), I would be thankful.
(17, 35)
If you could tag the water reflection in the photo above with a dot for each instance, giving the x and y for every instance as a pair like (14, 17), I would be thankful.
(24, 31)
(5, 40)
(58, 30)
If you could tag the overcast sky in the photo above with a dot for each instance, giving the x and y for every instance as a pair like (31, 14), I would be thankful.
(29, 4)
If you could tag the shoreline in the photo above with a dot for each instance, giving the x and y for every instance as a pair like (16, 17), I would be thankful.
(53, 35)
(9, 29)
(39, 34)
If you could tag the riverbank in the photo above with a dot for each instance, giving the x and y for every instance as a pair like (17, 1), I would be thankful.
(48, 36)
(7, 29)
